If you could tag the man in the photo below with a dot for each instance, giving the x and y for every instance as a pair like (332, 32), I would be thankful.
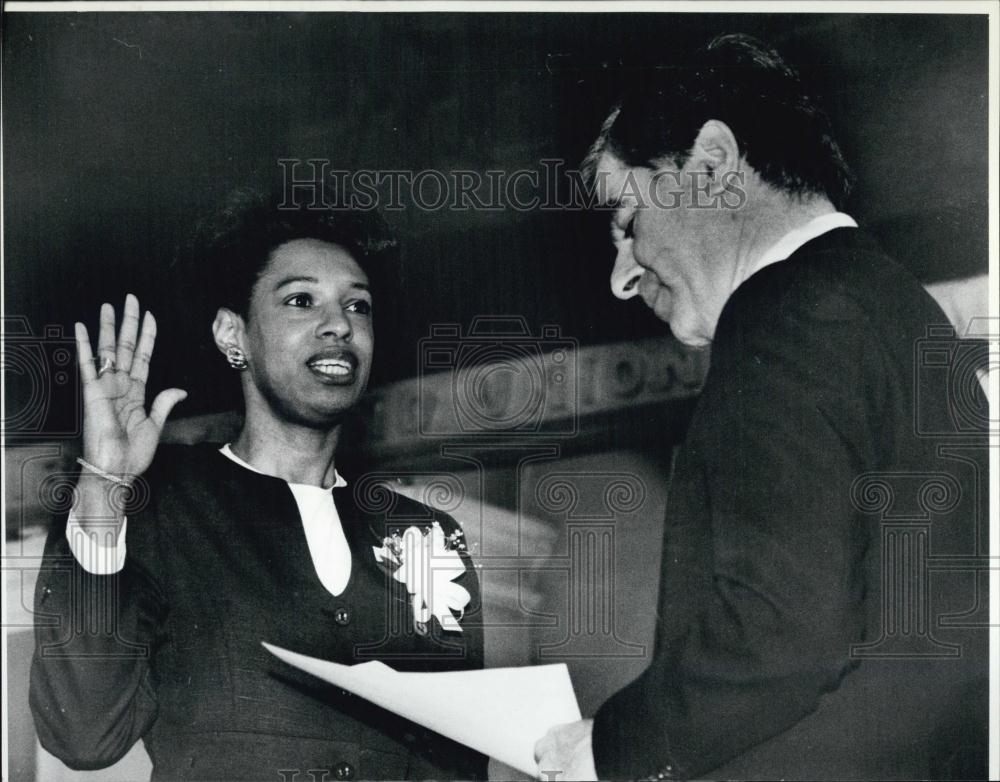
(787, 643)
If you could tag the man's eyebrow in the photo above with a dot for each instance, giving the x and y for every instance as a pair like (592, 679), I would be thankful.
(361, 286)
(621, 218)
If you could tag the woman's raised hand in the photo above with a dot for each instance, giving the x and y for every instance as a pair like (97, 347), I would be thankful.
(119, 437)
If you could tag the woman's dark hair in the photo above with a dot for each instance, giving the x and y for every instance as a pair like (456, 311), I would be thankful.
(781, 130)
(237, 244)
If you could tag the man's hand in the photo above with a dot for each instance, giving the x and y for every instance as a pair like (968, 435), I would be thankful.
(565, 753)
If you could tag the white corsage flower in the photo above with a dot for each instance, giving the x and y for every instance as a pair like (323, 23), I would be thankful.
(426, 563)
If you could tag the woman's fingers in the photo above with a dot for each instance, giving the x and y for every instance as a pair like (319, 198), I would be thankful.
(83, 354)
(106, 335)
(144, 350)
(128, 334)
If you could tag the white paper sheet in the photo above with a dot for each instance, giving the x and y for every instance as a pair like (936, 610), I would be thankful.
(500, 712)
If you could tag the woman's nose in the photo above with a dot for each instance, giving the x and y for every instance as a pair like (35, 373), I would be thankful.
(334, 322)
(627, 273)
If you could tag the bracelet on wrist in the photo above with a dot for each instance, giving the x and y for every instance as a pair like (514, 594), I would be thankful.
(117, 479)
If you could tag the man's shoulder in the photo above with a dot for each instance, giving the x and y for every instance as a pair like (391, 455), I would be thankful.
(841, 276)
(845, 261)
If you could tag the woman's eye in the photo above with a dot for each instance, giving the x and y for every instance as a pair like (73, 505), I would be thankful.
(300, 300)
(361, 307)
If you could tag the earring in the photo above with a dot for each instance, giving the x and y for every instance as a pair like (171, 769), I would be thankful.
(237, 358)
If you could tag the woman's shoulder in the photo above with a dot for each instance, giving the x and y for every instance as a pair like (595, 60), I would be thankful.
(174, 462)
(416, 509)
(426, 518)
(379, 500)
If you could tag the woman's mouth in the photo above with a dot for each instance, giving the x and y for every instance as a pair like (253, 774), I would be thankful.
(337, 367)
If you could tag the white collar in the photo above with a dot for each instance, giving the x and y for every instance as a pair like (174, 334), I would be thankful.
(797, 237)
(227, 451)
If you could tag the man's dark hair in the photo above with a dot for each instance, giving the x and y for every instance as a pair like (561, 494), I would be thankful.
(238, 243)
(781, 131)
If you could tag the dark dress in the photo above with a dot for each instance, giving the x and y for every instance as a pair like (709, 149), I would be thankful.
(169, 649)
(822, 608)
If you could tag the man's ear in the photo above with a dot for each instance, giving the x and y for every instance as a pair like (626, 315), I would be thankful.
(228, 329)
(715, 156)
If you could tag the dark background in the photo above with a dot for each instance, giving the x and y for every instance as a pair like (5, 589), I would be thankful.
(122, 130)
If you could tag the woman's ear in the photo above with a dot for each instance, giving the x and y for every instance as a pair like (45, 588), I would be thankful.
(715, 157)
(228, 330)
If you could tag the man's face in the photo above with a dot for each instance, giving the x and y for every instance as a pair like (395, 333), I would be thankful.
(667, 250)
(309, 335)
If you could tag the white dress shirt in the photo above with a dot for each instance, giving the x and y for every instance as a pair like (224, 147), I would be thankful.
(102, 553)
(794, 239)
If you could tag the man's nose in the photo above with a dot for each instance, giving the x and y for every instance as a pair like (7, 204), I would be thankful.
(626, 274)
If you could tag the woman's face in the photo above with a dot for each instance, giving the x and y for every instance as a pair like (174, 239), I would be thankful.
(309, 336)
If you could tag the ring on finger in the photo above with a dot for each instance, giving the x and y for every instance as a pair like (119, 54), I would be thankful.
(107, 365)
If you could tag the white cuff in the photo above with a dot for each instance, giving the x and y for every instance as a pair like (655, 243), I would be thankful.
(99, 550)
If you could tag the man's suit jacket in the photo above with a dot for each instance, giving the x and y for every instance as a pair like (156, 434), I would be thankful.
(821, 614)
(169, 650)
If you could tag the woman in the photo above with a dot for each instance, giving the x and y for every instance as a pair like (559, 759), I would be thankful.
(157, 632)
